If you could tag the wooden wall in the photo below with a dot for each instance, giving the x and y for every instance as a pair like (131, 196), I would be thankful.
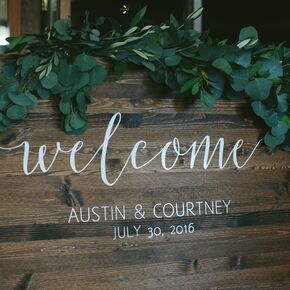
(246, 249)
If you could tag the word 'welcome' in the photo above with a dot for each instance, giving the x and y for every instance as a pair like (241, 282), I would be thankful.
(194, 151)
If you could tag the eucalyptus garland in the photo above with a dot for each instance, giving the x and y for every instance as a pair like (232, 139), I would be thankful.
(63, 64)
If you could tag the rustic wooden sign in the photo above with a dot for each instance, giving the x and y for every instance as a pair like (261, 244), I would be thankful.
(183, 228)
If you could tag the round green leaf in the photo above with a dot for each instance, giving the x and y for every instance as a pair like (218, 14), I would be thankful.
(16, 112)
(207, 100)
(248, 33)
(243, 58)
(69, 74)
(223, 65)
(3, 128)
(273, 141)
(172, 60)
(272, 67)
(85, 62)
(280, 129)
(76, 121)
(19, 99)
(62, 27)
(272, 120)
(97, 75)
(65, 107)
(282, 103)
(259, 109)
(259, 89)
(81, 101)
(49, 81)
(239, 79)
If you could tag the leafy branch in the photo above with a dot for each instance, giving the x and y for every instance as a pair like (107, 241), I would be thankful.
(64, 64)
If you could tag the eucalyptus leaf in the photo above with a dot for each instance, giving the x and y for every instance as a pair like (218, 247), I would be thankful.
(138, 17)
(280, 129)
(62, 27)
(239, 79)
(272, 119)
(223, 65)
(173, 60)
(119, 69)
(207, 100)
(273, 141)
(65, 107)
(272, 67)
(97, 75)
(85, 62)
(20, 99)
(16, 112)
(259, 89)
(282, 100)
(248, 33)
(49, 81)
(259, 109)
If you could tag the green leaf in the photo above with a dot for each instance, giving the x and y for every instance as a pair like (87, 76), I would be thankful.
(97, 75)
(69, 75)
(94, 35)
(28, 63)
(188, 85)
(43, 93)
(259, 109)
(173, 21)
(4, 101)
(81, 102)
(158, 76)
(138, 17)
(85, 62)
(280, 129)
(244, 43)
(33, 100)
(216, 84)
(3, 128)
(259, 89)
(272, 67)
(207, 100)
(243, 58)
(223, 65)
(173, 60)
(282, 103)
(195, 14)
(272, 120)
(18, 42)
(149, 65)
(65, 107)
(286, 120)
(195, 88)
(273, 141)
(82, 81)
(140, 53)
(131, 30)
(248, 33)
(239, 79)
(77, 122)
(16, 112)
(20, 99)
(119, 69)
(49, 81)
(62, 27)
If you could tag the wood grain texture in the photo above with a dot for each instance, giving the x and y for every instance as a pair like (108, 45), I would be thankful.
(14, 17)
(249, 248)
(30, 17)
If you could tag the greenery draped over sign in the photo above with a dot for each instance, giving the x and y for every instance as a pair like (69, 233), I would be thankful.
(63, 63)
